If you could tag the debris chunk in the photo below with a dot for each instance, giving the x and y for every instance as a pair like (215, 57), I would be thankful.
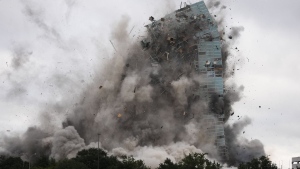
(151, 18)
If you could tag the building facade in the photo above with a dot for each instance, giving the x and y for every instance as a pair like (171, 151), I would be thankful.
(207, 61)
(210, 66)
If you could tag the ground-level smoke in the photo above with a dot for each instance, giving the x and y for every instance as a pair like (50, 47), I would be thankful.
(144, 102)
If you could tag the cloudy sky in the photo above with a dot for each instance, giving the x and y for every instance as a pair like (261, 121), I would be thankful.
(49, 50)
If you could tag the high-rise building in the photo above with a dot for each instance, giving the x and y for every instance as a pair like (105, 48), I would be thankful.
(210, 66)
(194, 25)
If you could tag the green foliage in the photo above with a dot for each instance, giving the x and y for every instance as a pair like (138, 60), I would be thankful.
(258, 163)
(70, 164)
(11, 162)
(131, 163)
(168, 164)
(43, 162)
(198, 161)
(192, 161)
(90, 159)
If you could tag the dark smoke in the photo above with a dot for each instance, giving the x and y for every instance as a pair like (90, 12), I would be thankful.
(144, 99)
(235, 32)
(213, 4)
(148, 94)
(33, 141)
(242, 150)
(239, 149)
(20, 57)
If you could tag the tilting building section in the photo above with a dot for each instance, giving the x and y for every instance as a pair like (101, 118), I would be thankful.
(189, 36)
(210, 66)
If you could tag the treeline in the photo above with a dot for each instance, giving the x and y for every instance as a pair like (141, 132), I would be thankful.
(88, 159)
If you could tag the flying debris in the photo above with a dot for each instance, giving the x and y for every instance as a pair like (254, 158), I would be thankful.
(172, 77)
(131, 30)
(181, 43)
(113, 45)
(151, 18)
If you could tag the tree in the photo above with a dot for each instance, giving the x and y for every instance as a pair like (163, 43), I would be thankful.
(131, 163)
(198, 161)
(70, 164)
(258, 163)
(43, 162)
(192, 161)
(168, 164)
(89, 157)
(11, 162)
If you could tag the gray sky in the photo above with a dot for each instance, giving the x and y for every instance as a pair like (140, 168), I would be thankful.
(50, 47)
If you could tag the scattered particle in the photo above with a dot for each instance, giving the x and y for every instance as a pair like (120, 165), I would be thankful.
(151, 18)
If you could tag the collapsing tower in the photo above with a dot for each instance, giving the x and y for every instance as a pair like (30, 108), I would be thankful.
(193, 37)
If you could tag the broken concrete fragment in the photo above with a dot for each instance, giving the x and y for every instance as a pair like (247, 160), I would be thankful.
(151, 18)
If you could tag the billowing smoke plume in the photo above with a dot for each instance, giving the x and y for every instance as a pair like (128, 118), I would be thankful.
(239, 149)
(66, 143)
(242, 150)
(20, 57)
(143, 102)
